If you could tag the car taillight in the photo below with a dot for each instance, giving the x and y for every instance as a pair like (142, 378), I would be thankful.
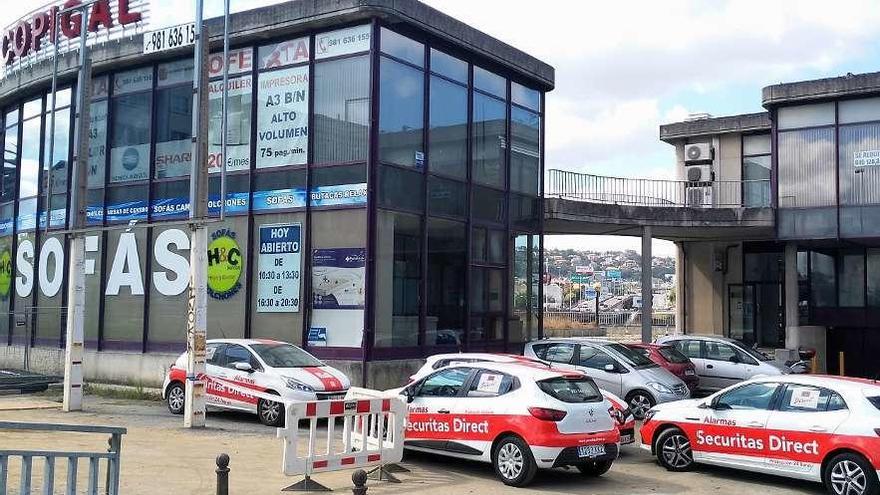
(545, 414)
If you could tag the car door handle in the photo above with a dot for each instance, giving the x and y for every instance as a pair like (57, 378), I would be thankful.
(443, 411)
(818, 429)
(709, 366)
(755, 424)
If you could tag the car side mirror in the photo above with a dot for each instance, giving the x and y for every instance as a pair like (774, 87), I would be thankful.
(717, 405)
(610, 368)
(735, 359)
(408, 393)
(243, 366)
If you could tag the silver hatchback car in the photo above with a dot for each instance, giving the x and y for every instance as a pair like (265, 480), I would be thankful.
(615, 368)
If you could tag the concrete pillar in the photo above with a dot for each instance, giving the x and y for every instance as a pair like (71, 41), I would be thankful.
(680, 293)
(647, 292)
(790, 289)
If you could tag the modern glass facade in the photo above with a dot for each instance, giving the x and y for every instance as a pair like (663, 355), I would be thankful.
(406, 172)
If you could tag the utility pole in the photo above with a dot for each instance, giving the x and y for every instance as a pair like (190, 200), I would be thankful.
(197, 314)
(76, 289)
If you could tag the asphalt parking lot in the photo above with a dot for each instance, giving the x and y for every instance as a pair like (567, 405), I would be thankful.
(160, 456)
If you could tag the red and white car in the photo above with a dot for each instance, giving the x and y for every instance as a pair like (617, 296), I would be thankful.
(236, 366)
(811, 427)
(626, 422)
(518, 418)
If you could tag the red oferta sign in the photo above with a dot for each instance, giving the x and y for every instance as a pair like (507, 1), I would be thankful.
(30, 38)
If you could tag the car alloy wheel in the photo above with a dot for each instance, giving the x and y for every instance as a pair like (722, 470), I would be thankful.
(848, 478)
(676, 451)
(510, 461)
(176, 398)
(639, 403)
(270, 412)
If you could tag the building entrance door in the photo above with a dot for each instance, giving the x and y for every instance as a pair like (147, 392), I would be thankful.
(858, 349)
(756, 313)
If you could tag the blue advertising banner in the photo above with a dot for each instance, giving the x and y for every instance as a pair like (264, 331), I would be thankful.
(279, 199)
(236, 202)
(27, 221)
(167, 208)
(129, 210)
(94, 215)
(338, 278)
(340, 195)
(58, 218)
(5, 227)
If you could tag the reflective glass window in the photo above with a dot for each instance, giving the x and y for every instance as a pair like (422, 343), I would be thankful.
(402, 47)
(398, 274)
(489, 142)
(173, 132)
(525, 96)
(851, 286)
(399, 188)
(525, 156)
(446, 197)
(488, 205)
(130, 137)
(447, 259)
(449, 66)
(805, 116)
(401, 116)
(342, 110)
(447, 136)
(823, 280)
(490, 82)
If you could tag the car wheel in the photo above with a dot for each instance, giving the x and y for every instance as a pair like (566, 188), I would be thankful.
(271, 413)
(674, 450)
(175, 397)
(850, 474)
(594, 469)
(513, 461)
(639, 402)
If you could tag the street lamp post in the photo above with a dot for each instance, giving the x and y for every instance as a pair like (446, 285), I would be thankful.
(598, 288)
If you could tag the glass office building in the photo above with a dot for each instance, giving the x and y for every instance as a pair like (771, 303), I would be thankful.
(383, 194)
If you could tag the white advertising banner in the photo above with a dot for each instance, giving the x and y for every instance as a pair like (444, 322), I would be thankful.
(283, 117)
(130, 163)
(342, 42)
(238, 125)
(280, 265)
(866, 158)
(97, 140)
(285, 53)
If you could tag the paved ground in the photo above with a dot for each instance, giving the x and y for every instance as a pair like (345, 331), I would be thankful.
(159, 456)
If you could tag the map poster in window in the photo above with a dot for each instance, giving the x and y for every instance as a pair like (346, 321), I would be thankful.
(338, 278)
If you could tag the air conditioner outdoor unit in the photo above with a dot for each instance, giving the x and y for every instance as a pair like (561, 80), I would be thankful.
(697, 152)
(699, 196)
(699, 173)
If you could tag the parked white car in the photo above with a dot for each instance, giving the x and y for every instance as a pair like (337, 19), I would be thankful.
(811, 427)
(236, 366)
(626, 422)
(723, 362)
(616, 368)
(518, 418)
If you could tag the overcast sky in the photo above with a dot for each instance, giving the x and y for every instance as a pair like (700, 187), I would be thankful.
(625, 67)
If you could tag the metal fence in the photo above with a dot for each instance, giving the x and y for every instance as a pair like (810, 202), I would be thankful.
(657, 192)
(618, 326)
(26, 475)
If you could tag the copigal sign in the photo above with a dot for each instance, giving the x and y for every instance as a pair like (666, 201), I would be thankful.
(29, 40)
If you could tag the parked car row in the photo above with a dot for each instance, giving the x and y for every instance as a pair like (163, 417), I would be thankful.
(559, 404)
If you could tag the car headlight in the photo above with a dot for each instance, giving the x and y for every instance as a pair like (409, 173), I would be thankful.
(659, 387)
(297, 385)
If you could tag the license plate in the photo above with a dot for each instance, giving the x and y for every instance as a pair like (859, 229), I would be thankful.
(591, 450)
(626, 439)
(689, 373)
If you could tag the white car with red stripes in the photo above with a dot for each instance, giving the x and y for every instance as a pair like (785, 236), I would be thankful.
(626, 422)
(518, 418)
(811, 427)
(239, 368)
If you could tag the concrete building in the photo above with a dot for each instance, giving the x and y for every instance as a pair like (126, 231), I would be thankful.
(384, 189)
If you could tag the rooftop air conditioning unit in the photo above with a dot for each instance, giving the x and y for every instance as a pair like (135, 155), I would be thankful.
(697, 152)
(699, 196)
(699, 173)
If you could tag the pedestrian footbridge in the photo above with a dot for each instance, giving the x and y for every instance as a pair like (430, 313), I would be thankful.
(577, 203)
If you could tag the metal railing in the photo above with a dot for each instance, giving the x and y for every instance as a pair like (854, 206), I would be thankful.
(47, 483)
(657, 192)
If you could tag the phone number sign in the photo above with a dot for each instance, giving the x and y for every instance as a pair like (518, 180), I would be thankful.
(170, 38)
(280, 264)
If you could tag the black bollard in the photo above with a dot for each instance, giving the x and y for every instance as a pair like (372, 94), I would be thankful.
(359, 478)
(222, 474)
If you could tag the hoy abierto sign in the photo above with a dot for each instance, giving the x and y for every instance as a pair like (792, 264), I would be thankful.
(278, 286)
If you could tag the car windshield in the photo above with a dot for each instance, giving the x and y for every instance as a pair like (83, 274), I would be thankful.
(572, 390)
(285, 356)
(673, 355)
(632, 357)
(755, 353)
(875, 401)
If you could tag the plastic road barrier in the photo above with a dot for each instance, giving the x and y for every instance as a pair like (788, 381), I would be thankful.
(370, 434)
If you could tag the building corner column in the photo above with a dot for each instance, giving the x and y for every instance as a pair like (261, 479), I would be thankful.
(680, 295)
(790, 291)
(647, 289)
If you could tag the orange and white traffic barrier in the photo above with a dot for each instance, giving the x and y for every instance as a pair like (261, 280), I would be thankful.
(360, 433)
